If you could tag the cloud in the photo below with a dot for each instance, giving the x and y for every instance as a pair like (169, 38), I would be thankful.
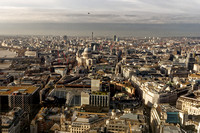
(102, 11)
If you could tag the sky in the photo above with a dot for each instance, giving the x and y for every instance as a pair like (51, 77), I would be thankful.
(100, 11)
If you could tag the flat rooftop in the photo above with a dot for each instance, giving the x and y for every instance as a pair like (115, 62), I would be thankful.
(7, 90)
(167, 108)
(171, 129)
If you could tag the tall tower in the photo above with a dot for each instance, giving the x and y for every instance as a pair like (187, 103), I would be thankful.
(92, 36)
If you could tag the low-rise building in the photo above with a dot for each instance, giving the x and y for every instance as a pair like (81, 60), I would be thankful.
(117, 126)
(45, 119)
(137, 122)
(31, 53)
(87, 121)
(14, 121)
(162, 115)
(189, 103)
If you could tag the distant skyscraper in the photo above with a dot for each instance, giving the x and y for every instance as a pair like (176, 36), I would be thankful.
(65, 38)
(115, 38)
(92, 36)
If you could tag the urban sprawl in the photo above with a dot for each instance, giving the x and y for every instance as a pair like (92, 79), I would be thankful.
(67, 84)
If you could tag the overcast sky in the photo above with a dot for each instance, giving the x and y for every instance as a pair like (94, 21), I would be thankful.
(101, 11)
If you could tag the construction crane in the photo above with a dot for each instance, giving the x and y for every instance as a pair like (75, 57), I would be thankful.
(68, 59)
(64, 55)
(111, 47)
(101, 48)
(130, 126)
(58, 56)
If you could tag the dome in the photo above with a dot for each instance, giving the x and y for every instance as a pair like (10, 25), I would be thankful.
(87, 50)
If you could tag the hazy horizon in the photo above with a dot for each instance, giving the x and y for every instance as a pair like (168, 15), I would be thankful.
(101, 29)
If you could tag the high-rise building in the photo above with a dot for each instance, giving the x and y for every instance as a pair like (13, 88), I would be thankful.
(25, 97)
(115, 38)
(92, 36)
(65, 38)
